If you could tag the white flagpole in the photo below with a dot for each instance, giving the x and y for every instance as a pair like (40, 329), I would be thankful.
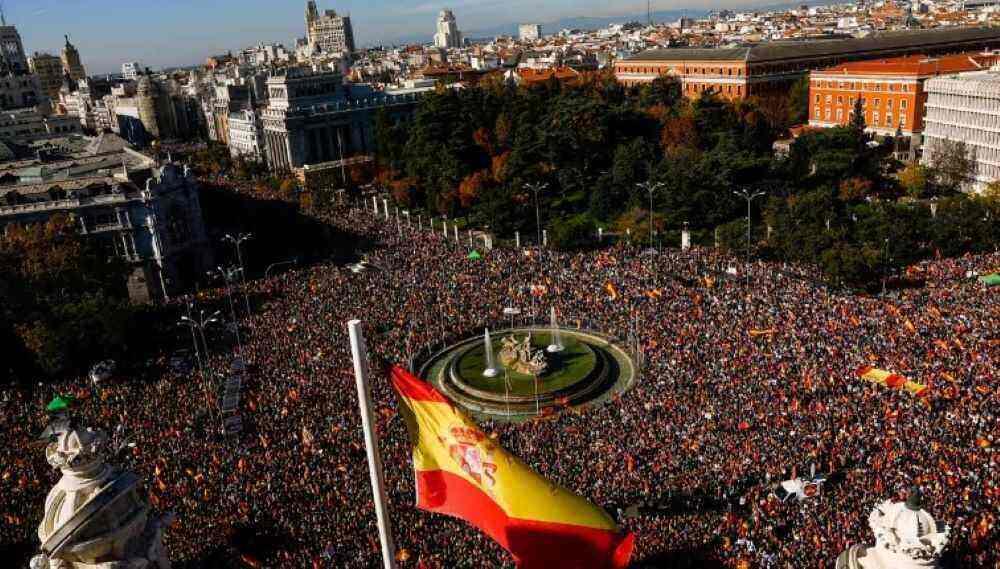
(359, 351)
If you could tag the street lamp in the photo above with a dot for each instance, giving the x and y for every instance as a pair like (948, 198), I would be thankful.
(538, 218)
(651, 188)
(749, 198)
(229, 275)
(238, 242)
(200, 322)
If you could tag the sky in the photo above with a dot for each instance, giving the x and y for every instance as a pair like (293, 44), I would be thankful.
(160, 33)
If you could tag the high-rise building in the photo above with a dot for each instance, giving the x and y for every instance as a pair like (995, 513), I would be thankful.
(131, 70)
(49, 70)
(71, 62)
(529, 32)
(12, 58)
(328, 32)
(447, 35)
(966, 108)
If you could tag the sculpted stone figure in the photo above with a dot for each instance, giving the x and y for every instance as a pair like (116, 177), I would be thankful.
(95, 517)
(906, 537)
(518, 356)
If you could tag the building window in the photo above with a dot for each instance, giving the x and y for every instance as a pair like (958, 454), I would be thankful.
(828, 113)
(817, 97)
(875, 118)
(840, 115)
(888, 104)
(902, 104)
(840, 100)
(878, 103)
(902, 121)
(817, 112)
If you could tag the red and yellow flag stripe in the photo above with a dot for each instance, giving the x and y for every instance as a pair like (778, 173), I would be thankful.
(463, 473)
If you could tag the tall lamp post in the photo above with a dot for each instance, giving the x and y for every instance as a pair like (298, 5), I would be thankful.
(538, 216)
(199, 322)
(228, 276)
(745, 194)
(238, 243)
(651, 188)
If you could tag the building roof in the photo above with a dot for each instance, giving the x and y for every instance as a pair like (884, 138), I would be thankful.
(915, 65)
(791, 50)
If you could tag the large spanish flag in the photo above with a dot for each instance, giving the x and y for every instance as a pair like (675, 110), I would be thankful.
(892, 380)
(463, 473)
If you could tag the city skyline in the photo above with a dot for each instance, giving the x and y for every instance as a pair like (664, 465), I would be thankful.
(108, 33)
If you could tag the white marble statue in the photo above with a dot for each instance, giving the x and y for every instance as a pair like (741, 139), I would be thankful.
(906, 537)
(95, 517)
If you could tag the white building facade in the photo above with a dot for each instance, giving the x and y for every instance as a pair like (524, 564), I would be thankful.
(246, 132)
(966, 108)
(529, 32)
(447, 36)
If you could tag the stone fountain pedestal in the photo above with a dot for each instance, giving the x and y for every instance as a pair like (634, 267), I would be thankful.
(95, 517)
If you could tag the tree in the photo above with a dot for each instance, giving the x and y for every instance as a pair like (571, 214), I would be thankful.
(573, 233)
(915, 180)
(798, 102)
(952, 166)
(857, 123)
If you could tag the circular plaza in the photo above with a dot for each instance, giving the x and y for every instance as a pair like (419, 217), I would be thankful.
(530, 372)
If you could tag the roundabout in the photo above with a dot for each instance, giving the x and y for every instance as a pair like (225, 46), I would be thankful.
(530, 371)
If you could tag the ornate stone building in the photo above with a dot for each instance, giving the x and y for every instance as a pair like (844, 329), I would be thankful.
(146, 214)
(71, 62)
(312, 117)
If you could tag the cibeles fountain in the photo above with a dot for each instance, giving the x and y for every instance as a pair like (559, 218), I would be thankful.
(95, 517)
(906, 537)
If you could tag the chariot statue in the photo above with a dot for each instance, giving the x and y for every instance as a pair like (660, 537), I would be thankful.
(518, 355)
(95, 517)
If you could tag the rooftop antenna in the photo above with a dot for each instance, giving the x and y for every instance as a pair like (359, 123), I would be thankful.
(3, 15)
(649, 11)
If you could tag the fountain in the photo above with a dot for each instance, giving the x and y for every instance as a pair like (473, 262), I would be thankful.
(557, 344)
(96, 517)
(491, 369)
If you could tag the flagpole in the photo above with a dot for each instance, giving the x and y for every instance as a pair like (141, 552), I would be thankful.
(359, 352)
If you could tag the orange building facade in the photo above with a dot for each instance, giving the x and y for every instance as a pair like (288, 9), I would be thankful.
(769, 69)
(891, 90)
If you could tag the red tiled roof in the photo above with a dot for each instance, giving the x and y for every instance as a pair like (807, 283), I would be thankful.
(916, 65)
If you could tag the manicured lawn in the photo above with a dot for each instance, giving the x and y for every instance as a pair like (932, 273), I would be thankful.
(565, 368)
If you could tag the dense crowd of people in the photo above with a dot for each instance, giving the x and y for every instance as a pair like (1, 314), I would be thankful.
(741, 388)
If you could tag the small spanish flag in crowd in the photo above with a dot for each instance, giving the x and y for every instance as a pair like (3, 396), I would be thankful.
(463, 473)
(612, 292)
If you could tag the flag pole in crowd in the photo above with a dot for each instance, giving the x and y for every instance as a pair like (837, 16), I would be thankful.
(359, 352)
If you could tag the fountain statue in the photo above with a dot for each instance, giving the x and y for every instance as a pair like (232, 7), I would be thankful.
(95, 517)
(518, 356)
(906, 537)
(491, 369)
(557, 344)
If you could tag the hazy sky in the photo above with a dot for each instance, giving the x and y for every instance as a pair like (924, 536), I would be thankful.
(182, 32)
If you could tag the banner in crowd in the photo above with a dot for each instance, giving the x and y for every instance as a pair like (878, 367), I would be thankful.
(892, 380)
(463, 473)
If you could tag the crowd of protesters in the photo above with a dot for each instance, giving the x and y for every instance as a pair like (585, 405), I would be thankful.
(740, 389)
